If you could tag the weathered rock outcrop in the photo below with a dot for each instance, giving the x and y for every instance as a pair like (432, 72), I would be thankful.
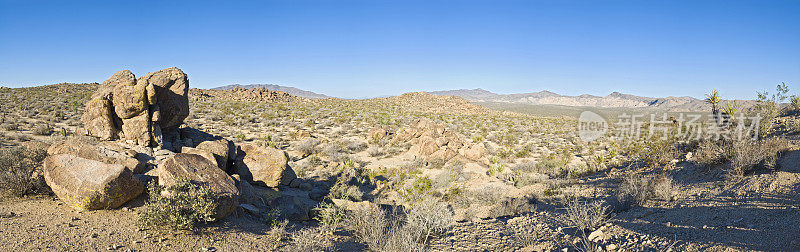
(87, 148)
(265, 166)
(138, 111)
(430, 140)
(86, 184)
(204, 172)
(222, 149)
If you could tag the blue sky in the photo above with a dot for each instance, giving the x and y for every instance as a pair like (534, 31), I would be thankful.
(375, 48)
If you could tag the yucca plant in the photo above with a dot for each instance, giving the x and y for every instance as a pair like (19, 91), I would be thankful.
(795, 100)
(730, 108)
(713, 99)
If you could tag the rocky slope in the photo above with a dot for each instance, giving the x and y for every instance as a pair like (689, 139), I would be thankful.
(290, 90)
(259, 94)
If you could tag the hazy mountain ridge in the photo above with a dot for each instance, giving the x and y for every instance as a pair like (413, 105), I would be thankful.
(290, 90)
(613, 100)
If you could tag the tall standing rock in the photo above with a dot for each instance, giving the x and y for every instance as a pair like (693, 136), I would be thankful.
(171, 88)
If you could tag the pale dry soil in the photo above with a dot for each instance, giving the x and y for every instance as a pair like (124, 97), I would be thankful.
(759, 213)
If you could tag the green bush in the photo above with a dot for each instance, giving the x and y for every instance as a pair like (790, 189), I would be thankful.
(185, 207)
(329, 216)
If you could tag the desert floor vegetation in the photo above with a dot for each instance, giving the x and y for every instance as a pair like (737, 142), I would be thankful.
(410, 173)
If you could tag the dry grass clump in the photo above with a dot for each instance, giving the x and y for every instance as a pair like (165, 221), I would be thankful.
(636, 190)
(42, 130)
(308, 147)
(585, 215)
(21, 174)
(310, 240)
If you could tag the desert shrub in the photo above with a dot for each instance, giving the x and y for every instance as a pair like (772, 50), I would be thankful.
(354, 146)
(428, 218)
(348, 183)
(659, 152)
(768, 106)
(636, 190)
(278, 231)
(310, 239)
(711, 152)
(329, 216)
(748, 156)
(419, 189)
(185, 207)
(42, 130)
(375, 151)
(371, 226)
(11, 126)
(308, 147)
(793, 125)
(585, 215)
(21, 174)
(744, 155)
(514, 206)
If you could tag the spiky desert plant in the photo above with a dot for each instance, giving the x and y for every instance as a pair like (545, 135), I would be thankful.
(713, 99)
(795, 100)
(730, 108)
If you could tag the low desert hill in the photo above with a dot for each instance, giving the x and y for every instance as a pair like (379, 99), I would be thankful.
(290, 90)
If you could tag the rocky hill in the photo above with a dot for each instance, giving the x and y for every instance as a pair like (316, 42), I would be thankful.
(290, 90)
(423, 102)
(259, 94)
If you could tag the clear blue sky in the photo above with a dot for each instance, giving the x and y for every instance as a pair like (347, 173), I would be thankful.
(373, 48)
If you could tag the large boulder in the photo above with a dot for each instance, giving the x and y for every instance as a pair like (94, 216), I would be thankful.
(476, 152)
(171, 88)
(262, 165)
(89, 149)
(222, 149)
(141, 110)
(204, 172)
(98, 117)
(86, 184)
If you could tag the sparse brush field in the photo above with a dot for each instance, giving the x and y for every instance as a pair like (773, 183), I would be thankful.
(412, 173)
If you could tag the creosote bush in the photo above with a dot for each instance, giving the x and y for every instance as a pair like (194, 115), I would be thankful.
(21, 174)
(744, 155)
(410, 231)
(185, 207)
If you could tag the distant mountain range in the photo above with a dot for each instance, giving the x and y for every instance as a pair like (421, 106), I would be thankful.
(613, 100)
(290, 90)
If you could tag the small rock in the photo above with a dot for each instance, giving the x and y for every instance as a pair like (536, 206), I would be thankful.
(611, 247)
(250, 208)
(596, 236)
